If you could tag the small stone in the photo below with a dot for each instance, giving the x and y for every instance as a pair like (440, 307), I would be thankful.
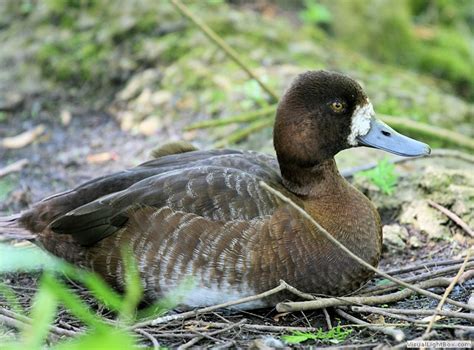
(66, 117)
(10, 101)
(414, 242)
(150, 125)
(426, 219)
(395, 236)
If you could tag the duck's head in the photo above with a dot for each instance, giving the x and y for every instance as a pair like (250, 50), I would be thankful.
(323, 113)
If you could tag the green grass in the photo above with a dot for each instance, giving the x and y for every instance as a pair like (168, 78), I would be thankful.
(383, 176)
(53, 293)
(335, 335)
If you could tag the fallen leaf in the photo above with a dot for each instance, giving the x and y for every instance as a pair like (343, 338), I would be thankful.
(277, 317)
(66, 117)
(99, 158)
(23, 139)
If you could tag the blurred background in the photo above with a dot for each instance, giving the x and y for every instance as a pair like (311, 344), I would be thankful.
(98, 84)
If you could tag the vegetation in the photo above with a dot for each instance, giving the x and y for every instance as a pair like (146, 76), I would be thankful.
(53, 293)
(335, 335)
(383, 176)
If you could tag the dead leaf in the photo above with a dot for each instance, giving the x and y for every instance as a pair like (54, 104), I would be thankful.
(66, 117)
(277, 317)
(427, 319)
(23, 139)
(99, 158)
(375, 318)
(13, 167)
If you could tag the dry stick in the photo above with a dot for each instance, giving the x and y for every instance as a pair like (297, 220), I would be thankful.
(389, 314)
(392, 286)
(396, 334)
(182, 316)
(352, 255)
(369, 300)
(230, 52)
(190, 343)
(225, 329)
(414, 312)
(20, 324)
(446, 293)
(424, 265)
(279, 329)
(241, 118)
(452, 216)
(328, 319)
(156, 345)
(243, 132)
(13, 167)
(423, 337)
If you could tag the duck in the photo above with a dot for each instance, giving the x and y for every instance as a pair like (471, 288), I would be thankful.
(202, 215)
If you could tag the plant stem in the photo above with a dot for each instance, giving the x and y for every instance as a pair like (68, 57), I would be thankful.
(240, 118)
(229, 51)
(244, 132)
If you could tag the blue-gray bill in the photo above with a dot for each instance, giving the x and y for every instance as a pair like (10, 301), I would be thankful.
(383, 137)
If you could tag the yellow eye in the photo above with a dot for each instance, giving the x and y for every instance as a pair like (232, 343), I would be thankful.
(337, 107)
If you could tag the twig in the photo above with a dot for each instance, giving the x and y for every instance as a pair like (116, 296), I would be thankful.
(415, 312)
(201, 336)
(23, 139)
(156, 345)
(189, 314)
(369, 300)
(423, 337)
(426, 264)
(190, 343)
(383, 312)
(229, 51)
(396, 334)
(447, 292)
(17, 321)
(352, 255)
(452, 216)
(13, 167)
(241, 118)
(328, 319)
(392, 286)
(243, 132)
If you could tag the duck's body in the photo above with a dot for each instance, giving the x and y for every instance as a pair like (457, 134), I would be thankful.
(203, 216)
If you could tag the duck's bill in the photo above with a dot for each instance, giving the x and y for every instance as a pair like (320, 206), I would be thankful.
(383, 137)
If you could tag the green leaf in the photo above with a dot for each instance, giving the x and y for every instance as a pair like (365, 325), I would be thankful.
(12, 300)
(133, 286)
(27, 259)
(42, 315)
(96, 285)
(71, 301)
(383, 176)
(104, 339)
(333, 336)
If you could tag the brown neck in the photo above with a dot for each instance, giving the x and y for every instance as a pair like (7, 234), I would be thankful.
(311, 180)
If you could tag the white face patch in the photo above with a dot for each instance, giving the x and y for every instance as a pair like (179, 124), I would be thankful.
(360, 125)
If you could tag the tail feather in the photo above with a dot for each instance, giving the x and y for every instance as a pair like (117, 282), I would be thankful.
(10, 229)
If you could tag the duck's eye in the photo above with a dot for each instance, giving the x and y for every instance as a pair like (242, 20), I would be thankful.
(337, 107)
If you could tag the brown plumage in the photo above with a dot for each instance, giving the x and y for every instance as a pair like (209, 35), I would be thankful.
(202, 214)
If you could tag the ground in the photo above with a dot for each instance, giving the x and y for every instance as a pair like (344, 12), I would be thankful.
(152, 96)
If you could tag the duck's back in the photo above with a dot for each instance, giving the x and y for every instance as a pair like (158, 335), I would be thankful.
(218, 185)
